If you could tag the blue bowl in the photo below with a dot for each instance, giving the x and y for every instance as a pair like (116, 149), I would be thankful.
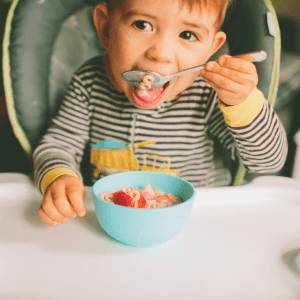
(139, 227)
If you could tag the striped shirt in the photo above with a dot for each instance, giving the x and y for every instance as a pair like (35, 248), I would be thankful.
(184, 129)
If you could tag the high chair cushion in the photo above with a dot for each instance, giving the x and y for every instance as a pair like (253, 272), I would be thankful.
(45, 42)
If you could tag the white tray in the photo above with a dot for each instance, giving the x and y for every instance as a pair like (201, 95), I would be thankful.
(240, 243)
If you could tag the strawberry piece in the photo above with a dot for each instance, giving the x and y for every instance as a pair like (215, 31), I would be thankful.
(148, 192)
(142, 202)
(121, 198)
(148, 188)
(148, 196)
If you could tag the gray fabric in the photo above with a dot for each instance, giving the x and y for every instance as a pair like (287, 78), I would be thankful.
(76, 42)
(247, 30)
(35, 27)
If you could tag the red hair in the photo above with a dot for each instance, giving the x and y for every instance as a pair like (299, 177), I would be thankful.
(218, 6)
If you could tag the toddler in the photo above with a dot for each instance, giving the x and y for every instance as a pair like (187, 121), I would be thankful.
(177, 122)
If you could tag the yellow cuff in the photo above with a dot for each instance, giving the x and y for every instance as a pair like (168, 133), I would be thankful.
(244, 113)
(53, 174)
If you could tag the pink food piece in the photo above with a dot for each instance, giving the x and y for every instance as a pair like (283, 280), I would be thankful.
(148, 192)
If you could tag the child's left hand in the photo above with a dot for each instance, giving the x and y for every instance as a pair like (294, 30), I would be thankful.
(233, 78)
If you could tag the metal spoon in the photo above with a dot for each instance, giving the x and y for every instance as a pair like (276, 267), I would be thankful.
(135, 77)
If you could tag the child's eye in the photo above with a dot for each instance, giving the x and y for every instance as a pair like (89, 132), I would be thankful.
(142, 25)
(188, 35)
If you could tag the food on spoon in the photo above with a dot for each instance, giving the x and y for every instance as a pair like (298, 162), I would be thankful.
(146, 82)
(148, 78)
(145, 86)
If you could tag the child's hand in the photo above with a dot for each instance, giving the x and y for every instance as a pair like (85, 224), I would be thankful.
(233, 78)
(63, 199)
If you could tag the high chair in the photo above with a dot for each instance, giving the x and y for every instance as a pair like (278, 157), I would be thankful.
(46, 41)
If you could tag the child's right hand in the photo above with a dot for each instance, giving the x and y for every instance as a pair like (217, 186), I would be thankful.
(63, 199)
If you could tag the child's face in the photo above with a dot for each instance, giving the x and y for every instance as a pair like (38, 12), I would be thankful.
(159, 36)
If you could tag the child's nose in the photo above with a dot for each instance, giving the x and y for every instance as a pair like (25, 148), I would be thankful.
(161, 50)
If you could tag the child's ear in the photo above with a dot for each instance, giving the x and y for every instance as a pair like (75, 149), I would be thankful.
(101, 21)
(218, 42)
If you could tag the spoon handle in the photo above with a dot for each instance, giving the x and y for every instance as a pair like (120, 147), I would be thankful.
(257, 55)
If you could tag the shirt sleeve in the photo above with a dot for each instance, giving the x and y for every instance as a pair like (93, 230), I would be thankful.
(252, 132)
(62, 147)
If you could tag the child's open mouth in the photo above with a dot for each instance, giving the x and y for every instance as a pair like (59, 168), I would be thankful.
(148, 98)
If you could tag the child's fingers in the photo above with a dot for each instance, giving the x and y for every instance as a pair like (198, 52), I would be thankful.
(221, 81)
(214, 67)
(76, 196)
(50, 209)
(45, 218)
(242, 63)
(222, 93)
(61, 201)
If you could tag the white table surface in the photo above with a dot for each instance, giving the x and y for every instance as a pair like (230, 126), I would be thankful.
(240, 243)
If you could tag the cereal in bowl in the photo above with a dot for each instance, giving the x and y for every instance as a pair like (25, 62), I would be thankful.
(147, 197)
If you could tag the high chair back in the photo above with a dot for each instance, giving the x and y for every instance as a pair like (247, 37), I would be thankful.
(45, 42)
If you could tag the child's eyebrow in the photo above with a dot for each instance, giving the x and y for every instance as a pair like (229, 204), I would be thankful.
(200, 26)
(135, 12)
